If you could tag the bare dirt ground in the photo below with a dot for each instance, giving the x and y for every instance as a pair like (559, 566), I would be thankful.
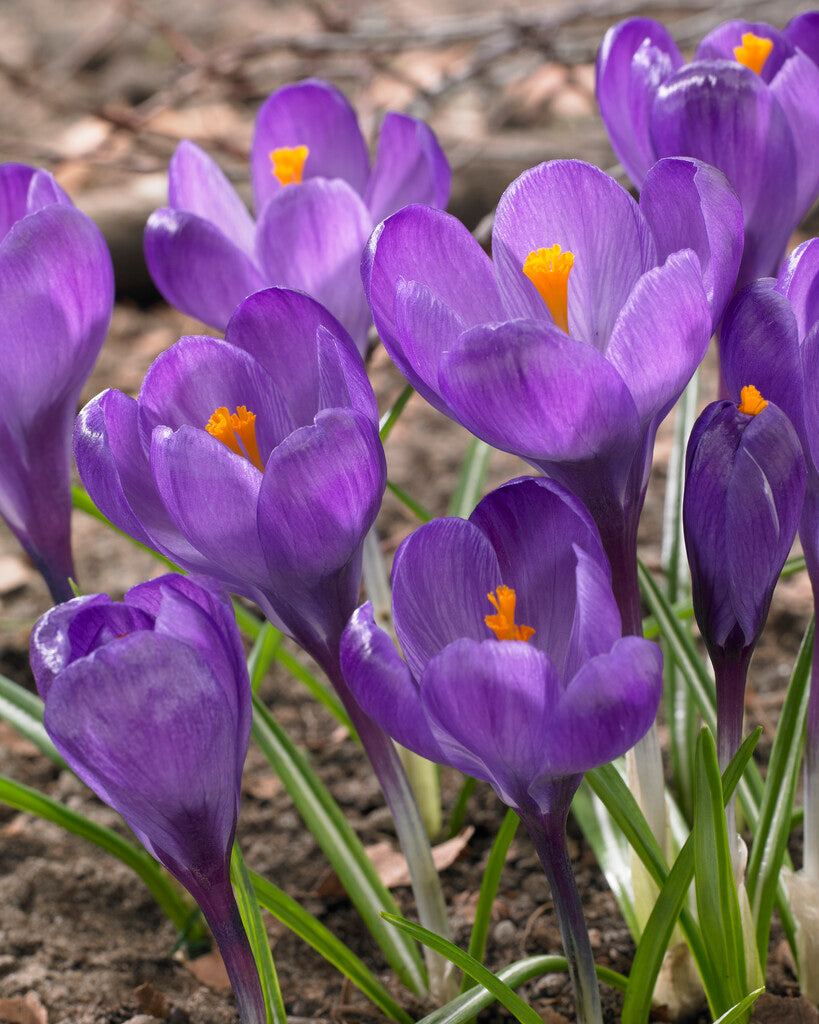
(100, 92)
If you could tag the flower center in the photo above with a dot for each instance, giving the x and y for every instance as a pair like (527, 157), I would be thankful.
(503, 624)
(288, 163)
(754, 51)
(548, 270)
(238, 431)
(752, 403)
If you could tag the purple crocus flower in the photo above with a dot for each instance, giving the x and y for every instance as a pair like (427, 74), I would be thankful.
(744, 488)
(748, 104)
(255, 460)
(316, 199)
(57, 291)
(572, 358)
(515, 668)
(148, 700)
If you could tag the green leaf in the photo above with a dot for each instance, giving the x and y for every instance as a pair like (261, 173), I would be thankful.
(774, 824)
(714, 884)
(740, 1011)
(501, 991)
(471, 478)
(489, 887)
(24, 711)
(390, 418)
(340, 844)
(415, 507)
(257, 936)
(82, 500)
(314, 933)
(264, 651)
(458, 816)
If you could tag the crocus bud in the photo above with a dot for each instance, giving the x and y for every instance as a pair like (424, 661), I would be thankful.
(148, 700)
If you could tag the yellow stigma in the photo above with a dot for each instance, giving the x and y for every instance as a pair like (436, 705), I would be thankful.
(754, 51)
(548, 270)
(288, 163)
(503, 624)
(752, 403)
(238, 431)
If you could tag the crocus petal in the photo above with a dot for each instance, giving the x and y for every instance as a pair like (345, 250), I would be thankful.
(691, 205)
(210, 495)
(608, 706)
(410, 167)
(803, 31)
(321, 492)
(311, 238)
(810, 372)
(441, 577)
(196, 267)
(534, 526)
(382, 684)
(313, 114)
(196, 184)
(51, 646)
(434, 249)
(184, 809)
(490, 706)
(721, 42)
(587, 213)
(799, 281)
(527, 388)
(661, 335)
(724, 115)
(43, 190)
(277, 327)
(597, 624)
(635, 57)
(14, 183)
(796, 87)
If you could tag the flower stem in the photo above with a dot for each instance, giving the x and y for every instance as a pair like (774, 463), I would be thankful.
(548, 832)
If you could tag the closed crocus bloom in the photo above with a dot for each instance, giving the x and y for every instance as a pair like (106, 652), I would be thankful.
(148, 700)
(515, 668)
(255, 460)
(572, 346)
(56, 296)
(744, 488)
(748, 104)
(316, 198)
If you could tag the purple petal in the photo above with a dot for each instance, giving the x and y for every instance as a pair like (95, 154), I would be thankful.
(441, 577)
(490, 706)
(796, 86)
(534, 525)
(196, 267)
(608, 706)
(723, 40)
(803, 31)
(587, 213)
(410, 167)
(635, 57)
(661, 335)
(382, 684)
(43, 190)
(197, 185)
(320, 495)
(51, 646)
(311, 238)
(296, 340)
(597, 624)
(691, 205)
(726, 116)
(313, 114)
(14, 183)
(799, 281)
(527, 388)
(810, 372)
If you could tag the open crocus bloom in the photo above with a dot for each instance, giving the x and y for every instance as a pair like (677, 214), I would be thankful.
(148, 700)
(515, 668)
(255, 460)
(316, 199)
(574, 344)
(748, 104)
(56, 295)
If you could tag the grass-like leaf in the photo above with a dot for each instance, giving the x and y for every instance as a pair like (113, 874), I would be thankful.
(740, 1011)
(390, 418)
(469, 489)
(24, 711)
(414, 506)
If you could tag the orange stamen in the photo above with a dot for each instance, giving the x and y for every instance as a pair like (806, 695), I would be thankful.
(288, 163)
(548, 270)
(503, 624)
(751, 402)
(754, 51)
(238, 431)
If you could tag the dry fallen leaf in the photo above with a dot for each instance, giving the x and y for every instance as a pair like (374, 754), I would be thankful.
(25, 1009)
(210, 970)
(151, 1002)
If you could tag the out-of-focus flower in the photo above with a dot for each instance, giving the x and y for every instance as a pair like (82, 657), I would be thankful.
(748, 104)
(744, 488)
(572, 347)
(255, 460)
(515, 668)
(148, 700)
(316, 200)
(56, 296)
